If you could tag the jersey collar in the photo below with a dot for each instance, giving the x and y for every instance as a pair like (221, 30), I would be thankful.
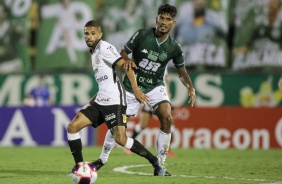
(97, 46)
(162, 41)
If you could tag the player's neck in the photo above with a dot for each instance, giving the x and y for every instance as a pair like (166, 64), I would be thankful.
(92, 49)
(161, 36)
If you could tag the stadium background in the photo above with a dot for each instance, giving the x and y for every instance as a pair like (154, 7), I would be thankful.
(235, 67)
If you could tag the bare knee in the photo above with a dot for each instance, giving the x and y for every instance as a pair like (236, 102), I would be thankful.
(72, 128)
(120, 139)
(166, 122)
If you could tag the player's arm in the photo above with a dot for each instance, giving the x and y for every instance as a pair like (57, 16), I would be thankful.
(139, 95)
(185, 79)
(128, 62)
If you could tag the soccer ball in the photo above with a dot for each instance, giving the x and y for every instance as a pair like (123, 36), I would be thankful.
(84, 173)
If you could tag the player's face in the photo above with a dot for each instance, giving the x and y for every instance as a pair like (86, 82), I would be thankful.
(164, 23)
(92, 35)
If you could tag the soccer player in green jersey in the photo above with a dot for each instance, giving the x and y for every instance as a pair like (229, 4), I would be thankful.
(151, 50)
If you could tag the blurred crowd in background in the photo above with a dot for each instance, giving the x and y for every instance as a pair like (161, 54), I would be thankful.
(216, 35)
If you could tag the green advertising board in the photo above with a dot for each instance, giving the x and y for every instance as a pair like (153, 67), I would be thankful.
(213, 90)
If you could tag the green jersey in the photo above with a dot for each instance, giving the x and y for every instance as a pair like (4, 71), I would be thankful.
(151, 57)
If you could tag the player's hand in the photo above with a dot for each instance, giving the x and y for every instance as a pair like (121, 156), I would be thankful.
(192, 95)
(129, 64)
(141, 97)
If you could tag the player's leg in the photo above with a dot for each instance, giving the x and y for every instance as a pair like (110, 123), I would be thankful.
(108, 145)
(109, 142)
(136, 147)
(144, 119)
(81, 120)
(145, 116)
(159, 102)
(170, 153)
(163, 141)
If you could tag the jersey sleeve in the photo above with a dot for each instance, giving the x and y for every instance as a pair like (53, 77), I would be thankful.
(133, 41)
(110, 54)
(178, 60)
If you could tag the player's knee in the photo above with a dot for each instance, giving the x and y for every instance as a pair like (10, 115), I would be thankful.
(72, 128)
(166, 124)
(166, 119)
(121, 140)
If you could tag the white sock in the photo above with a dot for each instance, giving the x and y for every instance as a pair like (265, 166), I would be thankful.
(73, 136)
(109, 144)
(129, 143)
(163, 143)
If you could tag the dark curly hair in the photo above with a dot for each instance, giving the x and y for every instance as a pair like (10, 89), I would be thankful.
(93, 23)
(167, 9)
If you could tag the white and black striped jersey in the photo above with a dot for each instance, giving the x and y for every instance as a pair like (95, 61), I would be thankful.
(108, 76)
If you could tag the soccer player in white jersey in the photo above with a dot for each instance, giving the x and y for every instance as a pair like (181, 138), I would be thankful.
(109, 104)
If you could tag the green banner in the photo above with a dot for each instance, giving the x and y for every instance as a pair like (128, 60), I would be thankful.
(60, 41)
(14, 36)
(207, 26)
(258, 34)
(201, 29)
(213, 90)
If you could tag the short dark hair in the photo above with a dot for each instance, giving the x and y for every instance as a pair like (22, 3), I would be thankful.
(93, 23)
(169, 9)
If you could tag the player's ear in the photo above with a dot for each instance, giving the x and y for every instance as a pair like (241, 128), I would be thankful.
(174, 23)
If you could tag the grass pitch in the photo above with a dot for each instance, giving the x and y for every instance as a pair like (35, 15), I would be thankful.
(44, 165)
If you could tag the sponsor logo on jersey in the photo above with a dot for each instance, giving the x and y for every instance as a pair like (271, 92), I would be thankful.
(162, 56)
(110, 116)
(113, 121)
(103, 99)
(102, 78)
(145, 51)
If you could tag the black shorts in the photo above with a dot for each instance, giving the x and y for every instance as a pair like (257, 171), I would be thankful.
(112, 115)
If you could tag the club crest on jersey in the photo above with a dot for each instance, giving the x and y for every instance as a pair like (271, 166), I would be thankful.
(153, 55)
(162, 56)
(124, 118)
